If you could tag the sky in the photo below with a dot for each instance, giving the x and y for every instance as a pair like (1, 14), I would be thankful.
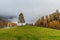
(32, 9)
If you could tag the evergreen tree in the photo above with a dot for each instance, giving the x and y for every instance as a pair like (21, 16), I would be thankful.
(21, 18)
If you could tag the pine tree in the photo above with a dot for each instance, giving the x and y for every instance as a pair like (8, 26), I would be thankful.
(21, 18)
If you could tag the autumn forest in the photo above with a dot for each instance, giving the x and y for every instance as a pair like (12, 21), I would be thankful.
(50, 21)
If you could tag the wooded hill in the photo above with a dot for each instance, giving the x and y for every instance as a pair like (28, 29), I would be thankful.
(52, 20)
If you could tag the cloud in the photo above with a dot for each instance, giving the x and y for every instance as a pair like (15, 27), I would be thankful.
(32, 9)
(54, 1)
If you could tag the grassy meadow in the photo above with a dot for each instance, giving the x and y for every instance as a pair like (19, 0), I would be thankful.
(29, 33)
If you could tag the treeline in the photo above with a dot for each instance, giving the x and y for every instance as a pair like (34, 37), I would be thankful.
(3, 22)
(51, 21)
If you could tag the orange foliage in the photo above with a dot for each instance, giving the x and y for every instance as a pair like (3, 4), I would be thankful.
(52, 21)
(54, 24)
(45, 22)
(37, 23)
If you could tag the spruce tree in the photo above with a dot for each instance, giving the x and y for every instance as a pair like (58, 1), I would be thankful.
(21, 18)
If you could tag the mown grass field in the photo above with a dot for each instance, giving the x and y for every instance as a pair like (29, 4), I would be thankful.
(29, 33)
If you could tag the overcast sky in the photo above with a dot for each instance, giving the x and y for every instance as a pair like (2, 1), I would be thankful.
(32, 9)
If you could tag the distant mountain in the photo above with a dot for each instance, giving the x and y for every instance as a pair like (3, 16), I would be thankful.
(8, 17)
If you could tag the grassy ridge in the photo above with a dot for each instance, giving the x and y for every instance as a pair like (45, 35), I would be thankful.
(29, 33)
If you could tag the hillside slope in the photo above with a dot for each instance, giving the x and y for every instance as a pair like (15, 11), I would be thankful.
(29, 33)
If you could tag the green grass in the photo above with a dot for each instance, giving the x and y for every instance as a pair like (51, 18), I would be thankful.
(29, 33)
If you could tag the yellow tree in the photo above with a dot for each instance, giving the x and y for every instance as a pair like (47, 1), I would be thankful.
(37, 22)
(45, 23)
(52, 24)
